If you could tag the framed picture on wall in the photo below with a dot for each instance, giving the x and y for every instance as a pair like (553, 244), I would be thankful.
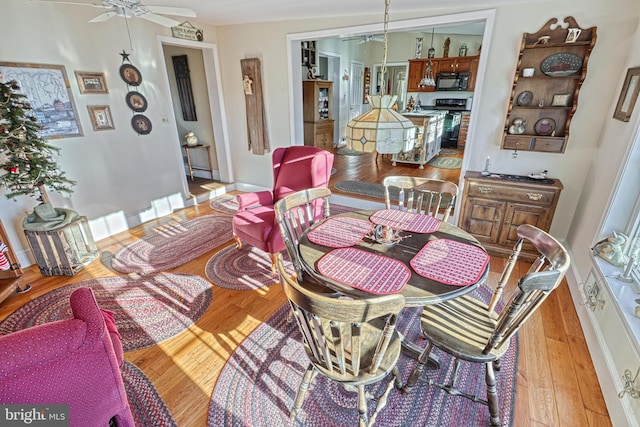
(91, 82)
(100, 117)
(628, 95)
(47, 90)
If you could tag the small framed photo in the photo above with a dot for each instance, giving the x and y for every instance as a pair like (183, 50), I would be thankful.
(561, 100)
(628, 95)
(91, 82)
(100, 117)
(572, 35)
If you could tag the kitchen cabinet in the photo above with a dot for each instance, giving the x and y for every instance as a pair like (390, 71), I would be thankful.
(429, 127)
(417, 70)
(544, 103)
(460, 64)
(493, 208)
(464, 129)
(317, 113)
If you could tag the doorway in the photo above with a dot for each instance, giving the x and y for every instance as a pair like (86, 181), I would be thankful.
(207, 68)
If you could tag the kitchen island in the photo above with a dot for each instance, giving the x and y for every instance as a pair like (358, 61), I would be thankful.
(429, 129)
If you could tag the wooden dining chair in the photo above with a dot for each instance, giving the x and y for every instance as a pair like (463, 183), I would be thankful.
(422, 195)
(295, 214)
(351, 341)
(471, 330)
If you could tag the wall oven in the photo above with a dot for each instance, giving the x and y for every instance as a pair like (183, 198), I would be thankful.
(452, 81)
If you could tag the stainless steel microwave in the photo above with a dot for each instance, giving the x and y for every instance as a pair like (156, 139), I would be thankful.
(453, 81)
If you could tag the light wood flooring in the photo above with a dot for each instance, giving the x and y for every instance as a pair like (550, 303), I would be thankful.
(556, 383)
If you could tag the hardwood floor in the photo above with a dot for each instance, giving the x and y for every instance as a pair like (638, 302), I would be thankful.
(556, 384)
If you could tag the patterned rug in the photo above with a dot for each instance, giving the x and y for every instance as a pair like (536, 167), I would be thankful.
(243, 270)
(344, 151)
(226, 204)
(363, 188)
(148, 309)
(147, 406)
(446, 162)
(258, 384)
(173, 244)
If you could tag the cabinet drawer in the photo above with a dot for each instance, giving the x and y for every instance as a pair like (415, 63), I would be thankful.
(501, 192)
(534, 143)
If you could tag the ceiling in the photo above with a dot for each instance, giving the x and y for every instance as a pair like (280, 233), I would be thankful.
(224, 12)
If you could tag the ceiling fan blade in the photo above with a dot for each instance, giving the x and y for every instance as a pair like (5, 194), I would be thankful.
(100, 6)
(104, 16)
(158, 19)
(175, 11)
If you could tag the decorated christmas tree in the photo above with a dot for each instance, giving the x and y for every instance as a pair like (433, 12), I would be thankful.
(27, 162)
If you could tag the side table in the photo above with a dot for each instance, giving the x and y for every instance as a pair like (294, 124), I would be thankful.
(187, 150)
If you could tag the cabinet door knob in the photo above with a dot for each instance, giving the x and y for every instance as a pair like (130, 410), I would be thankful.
(534, 196)
(485, 190)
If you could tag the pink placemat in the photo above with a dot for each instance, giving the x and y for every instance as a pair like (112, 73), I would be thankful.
(340, 232)
(364, 270)
(450, 262)
(408, 221)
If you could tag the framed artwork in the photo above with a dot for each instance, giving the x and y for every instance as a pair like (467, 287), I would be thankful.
(48, 91)
(130, 74)
(141, 124)
(561, 100)
(91, 82)
(136, 101)
(628, 95)
(100, 117)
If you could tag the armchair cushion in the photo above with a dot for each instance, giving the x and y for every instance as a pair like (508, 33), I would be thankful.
(73, 362)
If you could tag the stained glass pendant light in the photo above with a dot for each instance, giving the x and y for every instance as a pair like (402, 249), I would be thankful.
(381, 127)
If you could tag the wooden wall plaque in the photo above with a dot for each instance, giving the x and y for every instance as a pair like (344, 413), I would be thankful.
(258, 138)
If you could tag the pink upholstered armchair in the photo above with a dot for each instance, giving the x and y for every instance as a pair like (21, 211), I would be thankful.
(294, 168)
(75, 362)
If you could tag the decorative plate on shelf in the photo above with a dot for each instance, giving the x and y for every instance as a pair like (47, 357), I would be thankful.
(545, 126)
(524, 98)
(561, 64)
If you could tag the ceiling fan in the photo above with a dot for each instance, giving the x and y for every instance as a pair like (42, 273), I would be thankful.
(365, 38)
(134, 8)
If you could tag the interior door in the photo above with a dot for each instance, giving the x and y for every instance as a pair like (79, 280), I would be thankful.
(356, 89)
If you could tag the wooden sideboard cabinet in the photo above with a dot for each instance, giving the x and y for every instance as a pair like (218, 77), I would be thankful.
(493, 208)
(317, 113)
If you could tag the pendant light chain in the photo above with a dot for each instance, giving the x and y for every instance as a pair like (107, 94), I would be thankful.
(383, 69)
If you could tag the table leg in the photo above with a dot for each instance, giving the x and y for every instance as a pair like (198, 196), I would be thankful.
(189, 162)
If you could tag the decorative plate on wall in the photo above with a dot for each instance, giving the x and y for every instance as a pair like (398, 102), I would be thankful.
(141, 124)
(136, 101)
(545, 126)
(525, 98)
(561, 64)
(130, 74)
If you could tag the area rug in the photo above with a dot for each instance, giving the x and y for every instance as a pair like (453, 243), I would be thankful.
(243, 270)
(147, 406)
(446, 162)
(227, 204)
(363, 188)
(173, 244)
(147, 309)
(448, 151)
(344, 151)
(258, 385)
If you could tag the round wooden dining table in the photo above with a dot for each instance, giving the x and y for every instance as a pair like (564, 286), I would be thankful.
(418, 290)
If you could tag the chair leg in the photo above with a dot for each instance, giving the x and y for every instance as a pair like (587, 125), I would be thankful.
(382, 400)
(362, 407)
(309, 375)
(273, 263)
(492, 395)
(238, 242)
(416, 374)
